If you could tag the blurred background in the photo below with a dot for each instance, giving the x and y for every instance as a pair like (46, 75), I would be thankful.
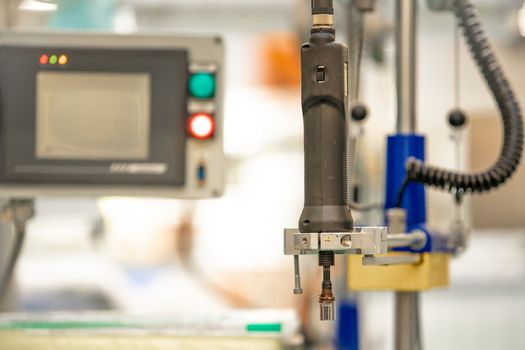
(149, 255)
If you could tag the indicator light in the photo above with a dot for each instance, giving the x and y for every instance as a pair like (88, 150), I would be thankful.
(53, 59)
(44, 59)
(201, 126)
(62, 60)
(202, 85)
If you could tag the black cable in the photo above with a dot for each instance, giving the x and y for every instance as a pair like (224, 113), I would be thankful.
(457, 67)
(401, 192)
(365, 207)
(512, 149)
(20, 211)
(458, 197)
(360, 34)
(7, 273)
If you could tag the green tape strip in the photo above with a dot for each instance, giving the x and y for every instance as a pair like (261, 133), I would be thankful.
(60, 325)
(77, 325)
(264, 327)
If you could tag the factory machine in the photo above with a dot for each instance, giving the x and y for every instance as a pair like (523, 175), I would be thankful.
(404, 256)
(101, 115)
(97, 115)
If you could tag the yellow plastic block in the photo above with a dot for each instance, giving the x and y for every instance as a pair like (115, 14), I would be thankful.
(431, 272)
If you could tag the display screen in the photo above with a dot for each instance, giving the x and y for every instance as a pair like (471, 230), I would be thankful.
(92, 116)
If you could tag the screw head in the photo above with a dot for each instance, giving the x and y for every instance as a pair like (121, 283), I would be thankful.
(457, 118)
(359, 112)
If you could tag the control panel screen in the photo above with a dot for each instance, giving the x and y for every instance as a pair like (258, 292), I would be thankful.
(92, 115)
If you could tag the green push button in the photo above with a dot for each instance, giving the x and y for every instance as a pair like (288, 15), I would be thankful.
(202, 85)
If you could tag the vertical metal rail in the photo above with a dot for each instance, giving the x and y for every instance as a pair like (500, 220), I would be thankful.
(406, 14)
(407, 324)
(355, 32)
(407, 336)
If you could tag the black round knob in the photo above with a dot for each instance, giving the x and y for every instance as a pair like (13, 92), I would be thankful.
(359, 112)
(457, 118)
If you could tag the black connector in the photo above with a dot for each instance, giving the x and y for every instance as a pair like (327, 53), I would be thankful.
(322, 7)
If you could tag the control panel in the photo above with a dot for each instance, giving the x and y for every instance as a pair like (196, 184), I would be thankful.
(105, 114)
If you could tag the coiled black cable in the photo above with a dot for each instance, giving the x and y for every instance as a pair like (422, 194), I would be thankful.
(512, 149)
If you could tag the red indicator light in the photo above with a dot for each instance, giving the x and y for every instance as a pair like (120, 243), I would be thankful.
(201, 126)
(44, 59)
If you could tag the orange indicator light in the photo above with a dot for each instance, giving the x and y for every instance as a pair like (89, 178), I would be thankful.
(62, 59)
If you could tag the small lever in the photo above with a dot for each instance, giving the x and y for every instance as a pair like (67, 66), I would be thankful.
(297, 289)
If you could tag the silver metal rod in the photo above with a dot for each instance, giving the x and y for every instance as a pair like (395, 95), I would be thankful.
(406, 14)
(413, 240)
(407, 332)
(399, 240)
(408, 335)
(297, 289)
(355, 39)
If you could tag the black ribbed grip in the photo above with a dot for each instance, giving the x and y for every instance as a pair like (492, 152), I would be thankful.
(324, 113)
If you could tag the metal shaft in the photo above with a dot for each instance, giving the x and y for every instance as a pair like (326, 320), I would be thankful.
(326, 299)
(355, 34)
(408, 336)
(406, 14)
(298, 289)
(413, 240)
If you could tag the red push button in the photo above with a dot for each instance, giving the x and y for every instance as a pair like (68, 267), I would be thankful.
(201, 126)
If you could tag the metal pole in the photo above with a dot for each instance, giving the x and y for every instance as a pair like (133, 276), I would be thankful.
(355, 37)
(408, 335)
(407, 328)
(406, 13)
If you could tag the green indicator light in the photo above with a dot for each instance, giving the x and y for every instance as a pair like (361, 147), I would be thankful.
(264, 327)
(53, 59)
(202, 85)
